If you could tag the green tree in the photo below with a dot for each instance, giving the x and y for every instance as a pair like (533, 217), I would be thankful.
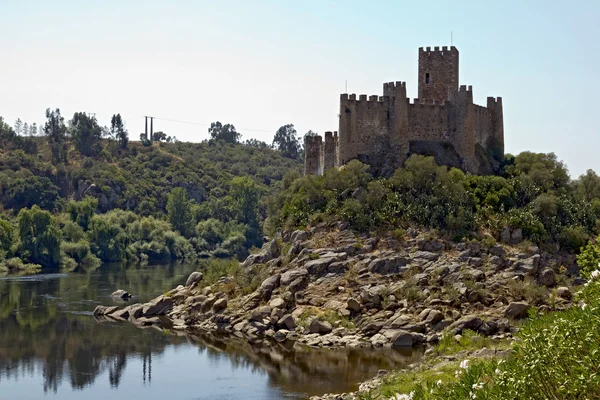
(31, 190)
(226, 132)
(82, 211)
(56, 131)
(180, 211)
(245, 195)
(286, 141)
(159, 136)
(118, 131)
(108, 240)
(39, 237)
(6, 237)
(18, 126)
(86, 133)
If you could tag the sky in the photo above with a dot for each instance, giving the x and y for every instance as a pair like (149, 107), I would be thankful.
(260, 64)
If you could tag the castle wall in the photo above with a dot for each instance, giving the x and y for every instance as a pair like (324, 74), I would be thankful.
(363, 125)
(428, 121)
(438, 72)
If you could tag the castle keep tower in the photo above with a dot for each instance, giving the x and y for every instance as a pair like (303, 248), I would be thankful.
(438, 73)
(443, 122)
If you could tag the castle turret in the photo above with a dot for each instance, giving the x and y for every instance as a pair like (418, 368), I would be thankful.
(497, 120)
(438, 73)
(312, 155)
(330, 151)
(398, 117)
(461, 121)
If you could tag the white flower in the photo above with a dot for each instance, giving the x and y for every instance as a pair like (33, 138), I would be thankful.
(439, 383)
(478, 386)
(464, 364)
(497, 371)
(403, 396)
(583, 306)
(595, 275)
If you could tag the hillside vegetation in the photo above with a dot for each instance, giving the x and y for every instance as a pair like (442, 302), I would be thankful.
(76, 197)
(532, 199)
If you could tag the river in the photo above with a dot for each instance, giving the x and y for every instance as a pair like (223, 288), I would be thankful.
(51, 347)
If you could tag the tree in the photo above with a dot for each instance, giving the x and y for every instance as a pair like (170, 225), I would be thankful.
(25, 129)
(159, 136)
(86, 133)
(33, 129)
(82, 211)
(286, 141)
(225, 132)
(180, 211)
(259, 144)
(39, 237)
(118, 130)
(32, 190)
(18, 126)
(56, 131)
(245, 195)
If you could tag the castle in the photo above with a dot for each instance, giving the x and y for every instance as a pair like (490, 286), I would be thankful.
(443, 122)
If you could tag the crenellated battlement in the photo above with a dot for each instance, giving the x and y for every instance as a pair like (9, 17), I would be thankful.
(444, 50)
(442, 121)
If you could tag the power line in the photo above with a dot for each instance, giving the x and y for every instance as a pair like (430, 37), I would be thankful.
(203, 124)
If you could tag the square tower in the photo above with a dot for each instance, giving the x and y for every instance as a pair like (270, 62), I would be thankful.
(438, 73)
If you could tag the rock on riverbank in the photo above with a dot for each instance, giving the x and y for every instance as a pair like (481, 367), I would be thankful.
(332, 288)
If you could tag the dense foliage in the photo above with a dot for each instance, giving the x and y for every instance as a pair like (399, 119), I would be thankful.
(533, 193)
(103, 198)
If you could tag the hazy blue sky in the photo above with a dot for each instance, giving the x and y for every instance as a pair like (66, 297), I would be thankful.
(260, 64)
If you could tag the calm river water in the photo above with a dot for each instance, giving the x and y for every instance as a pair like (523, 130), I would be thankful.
(51, 347)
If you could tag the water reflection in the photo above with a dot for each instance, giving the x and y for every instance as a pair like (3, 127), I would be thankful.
(49, 342)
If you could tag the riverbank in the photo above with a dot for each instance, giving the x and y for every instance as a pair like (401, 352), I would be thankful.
(333, 288)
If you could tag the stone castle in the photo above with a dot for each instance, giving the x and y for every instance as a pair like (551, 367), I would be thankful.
(443, 122)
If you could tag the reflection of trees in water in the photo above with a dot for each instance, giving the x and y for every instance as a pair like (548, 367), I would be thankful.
(37, 333)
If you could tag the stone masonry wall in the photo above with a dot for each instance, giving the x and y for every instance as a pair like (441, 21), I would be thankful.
(438, 72)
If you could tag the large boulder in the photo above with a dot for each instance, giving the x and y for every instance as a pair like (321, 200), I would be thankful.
(529, 265)
(547, 277)
(353, 305)
(471, 322)
(193, 279)
(287, 322)
(319, 266)
(320, 327)
(393, 265)
(220, 305)
(516, 309)
(564, 293)
(120, 294)
(291, 275)
(271, 283)
(403, 338)
(159, 306)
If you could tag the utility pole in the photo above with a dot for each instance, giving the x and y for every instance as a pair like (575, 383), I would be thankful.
(151, 128)
(146, 129)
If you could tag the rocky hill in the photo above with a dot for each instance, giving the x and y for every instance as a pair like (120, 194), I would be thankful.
(331, 287)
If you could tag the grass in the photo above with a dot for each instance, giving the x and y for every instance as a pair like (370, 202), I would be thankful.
(243, 282)
(309, 313)
(528, 290)
(469, 341)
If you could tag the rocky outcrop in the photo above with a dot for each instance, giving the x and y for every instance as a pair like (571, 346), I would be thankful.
(334, 288)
